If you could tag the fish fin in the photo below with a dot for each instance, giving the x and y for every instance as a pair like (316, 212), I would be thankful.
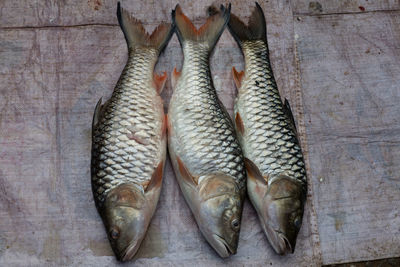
(185, 173)
(136, 35)
(165, 126)
(159, 81)
(237, 77)
(254, 30)
(253, 172)
(156, 178)
(175, 76)
(210, 31)
(161, 35)
(288, 111)
(168, 126)
(239, 123)
(96, 115)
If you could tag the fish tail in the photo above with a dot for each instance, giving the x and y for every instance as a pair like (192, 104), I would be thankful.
(136, 35)
(209, 32)
(255, 30)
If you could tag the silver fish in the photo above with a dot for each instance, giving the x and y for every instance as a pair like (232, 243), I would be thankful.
(266, 130)
(129, 141)
(204, 151)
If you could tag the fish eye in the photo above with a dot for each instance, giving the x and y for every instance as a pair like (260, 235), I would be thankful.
(297, 222)
(235, 224)
(114, 233)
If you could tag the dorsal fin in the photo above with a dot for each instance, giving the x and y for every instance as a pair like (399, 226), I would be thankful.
(96, 115)
(288, 111)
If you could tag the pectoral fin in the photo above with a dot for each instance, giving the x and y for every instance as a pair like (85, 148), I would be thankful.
(253, 172)
(186, 175)
(156, 178)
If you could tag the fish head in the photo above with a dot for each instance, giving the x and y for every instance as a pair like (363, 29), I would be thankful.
(282, 213)
(220, 212)
(126, 218)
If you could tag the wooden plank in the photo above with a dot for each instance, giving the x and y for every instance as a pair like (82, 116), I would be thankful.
(349, 76)
(50, 81)
(320, 7)
(75, 12)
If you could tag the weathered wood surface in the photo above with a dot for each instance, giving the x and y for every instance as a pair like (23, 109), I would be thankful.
(57, 58)
(321, 7)
(351, 89)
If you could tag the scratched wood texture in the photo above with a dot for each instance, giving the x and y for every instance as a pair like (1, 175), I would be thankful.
(350, 74)
(339, 71)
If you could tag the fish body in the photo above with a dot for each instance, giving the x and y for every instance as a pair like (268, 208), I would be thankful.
(266, 130)
(204, 151)
(129, 141)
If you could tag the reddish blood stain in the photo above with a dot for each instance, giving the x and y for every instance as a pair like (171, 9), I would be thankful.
(362, 8)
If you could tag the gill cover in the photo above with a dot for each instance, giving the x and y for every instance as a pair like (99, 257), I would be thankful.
(127, 213)
(216, 203)
(279, 205)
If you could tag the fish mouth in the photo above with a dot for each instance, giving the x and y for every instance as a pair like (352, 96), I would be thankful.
(284, 244)
(278, 241)
(223, 249)
(130, 251)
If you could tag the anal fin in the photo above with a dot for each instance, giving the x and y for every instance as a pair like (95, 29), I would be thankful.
(239, 123)
(237, 77)
(159, 81)
(175, 76)
(165, 126)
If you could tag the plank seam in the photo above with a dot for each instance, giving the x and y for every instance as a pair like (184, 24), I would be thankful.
(59, 26)
(298, 97)
(344, 13)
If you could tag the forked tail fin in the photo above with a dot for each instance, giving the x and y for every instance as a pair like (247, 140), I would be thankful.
(209, 32)
(255, 30)
(136, 35)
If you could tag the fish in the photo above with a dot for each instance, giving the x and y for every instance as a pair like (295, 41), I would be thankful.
(276, 176)
(129, 140)
(202, 144)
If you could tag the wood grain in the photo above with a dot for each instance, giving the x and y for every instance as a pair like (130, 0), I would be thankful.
(349, 75)
(339, 71)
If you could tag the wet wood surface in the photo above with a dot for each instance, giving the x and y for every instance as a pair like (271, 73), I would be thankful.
(336, 62)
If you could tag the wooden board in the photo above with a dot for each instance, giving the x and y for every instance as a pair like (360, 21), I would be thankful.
(350, 83)
(321, 7)
(57, 58)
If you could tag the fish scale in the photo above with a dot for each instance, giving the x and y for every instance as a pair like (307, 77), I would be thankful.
(117, 157)
(269, 139)
(276, 182)
(203, 147)
(205, 131)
